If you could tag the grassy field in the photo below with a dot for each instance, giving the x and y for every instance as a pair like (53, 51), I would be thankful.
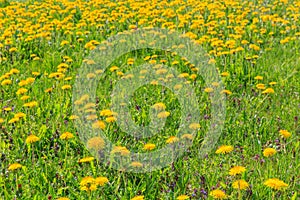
(255, 47)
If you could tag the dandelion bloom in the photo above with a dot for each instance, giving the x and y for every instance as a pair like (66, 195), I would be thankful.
(1, 120)
(88, 184)
(72, 117)
(101, 180)
(187, 136)
(19, 115)
(63, 198)
(194, 126)
(121, 150)
(13, 120)
(96, 143)
(224, 149)
(111, 119)
(208, 90)
(99, 125)
(163, 114)
(31, 139)
(258, 78)
(172, 140)
(240, 184)
(138, 198)
(136, 164)
(261, 86)
(226, 92)
(275, 183)
(268, 152)
(285, 133)
(159, 106)
(268, 91)
(218, 194)
(224, 74)
(66, 136)
(86, 159)
(182, 197)
(149, 146)
(236, 170)
(14, 166)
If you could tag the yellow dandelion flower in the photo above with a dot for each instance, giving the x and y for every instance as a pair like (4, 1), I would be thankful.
(136, 164)
(66, 87)
(236, 170)
(19, 115)
(1, 120)
(261, 86)
(187, 136)
(224, 149)
(224, 74)
(140, 197)
(121, 150)
(172, 139)
(31, 104)
(111, 119)
(32, 139)
(113, 68)
(149, 146)
(208, 90)
(272, 83)
(228, 92)
(275, 184)
(268, 152)
(96, 143)
(13, 120)
(285, 133)
(14, 166)
(258, 78)
(66, 136)
(63, 198)
(240, 184)
(101, 180)
(268, 91)
(72, 117)
(194, 126)
(6, 82)
(182, 197)
(24, 98)
(218, 194)
(21, 91)
(163, 114)
(98, 125)
(86, 159)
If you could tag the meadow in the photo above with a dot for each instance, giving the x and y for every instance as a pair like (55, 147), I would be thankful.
(45, 153)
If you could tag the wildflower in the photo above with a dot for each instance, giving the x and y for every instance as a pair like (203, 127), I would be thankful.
(63, 198)
(240, 184)
(163, 114)
(72, 117)
(14, 166)
(113, 68)
(24, 98)
(226, 92)
(1, 120)
(268, 152)
(19, 115)
(275, 183)
(225, 74)
(268, 91)
(149, 146)
(224, 149)
(172, 140)
(208, 90)
(272, 83)
(86, 159)
(21, 91)
(194, 126)
(88, 184)
(236, 170)
(98, 125)
(13, 120)
(96, 143)
(66, 136)
(218, 194)
(187, 136)
(137, 198)
(111, 119)
(285, 133)
(121, 150)
(258, 78)
(65, 87)
(182, 197)
(32, 139)
(136, 164)
(261, 86)
(6, 82)
(30, 104)
(101, 180)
